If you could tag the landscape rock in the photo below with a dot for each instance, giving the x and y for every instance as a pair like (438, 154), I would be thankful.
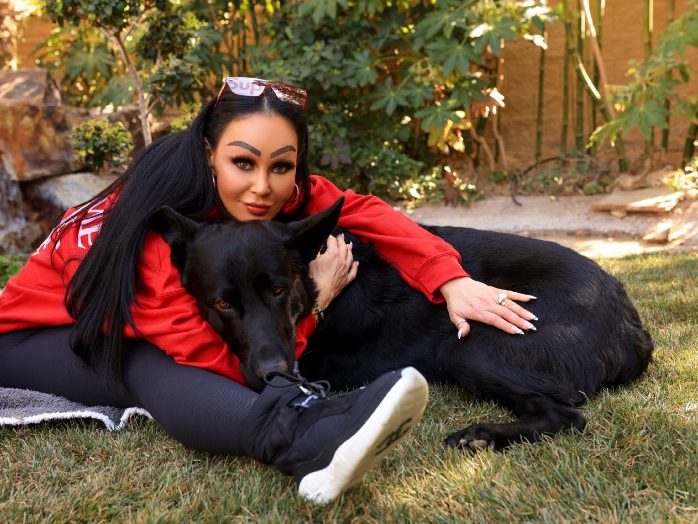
(649, 200)
(54, 195)
(658, 234)
(35, 126)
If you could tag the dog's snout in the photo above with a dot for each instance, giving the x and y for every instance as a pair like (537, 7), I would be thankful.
(270, 365)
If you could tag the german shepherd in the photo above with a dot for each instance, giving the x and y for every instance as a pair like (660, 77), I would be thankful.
(251, 282)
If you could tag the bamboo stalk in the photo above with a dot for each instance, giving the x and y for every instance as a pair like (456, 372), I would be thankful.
(255, 28)
(596, 50)
(690, 143)
(566, 79)
(600, 10)
(596, 98)
(579, 144)
(501, 149)
(649, 29)
(667, 103)
(243, 43)
(541, 95)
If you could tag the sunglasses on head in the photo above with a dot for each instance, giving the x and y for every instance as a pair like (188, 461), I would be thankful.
(243, 86)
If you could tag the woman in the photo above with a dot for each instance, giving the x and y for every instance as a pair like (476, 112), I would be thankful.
(102, 290)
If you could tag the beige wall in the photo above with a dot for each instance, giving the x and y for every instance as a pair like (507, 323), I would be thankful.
(35, 29)
(623, 39)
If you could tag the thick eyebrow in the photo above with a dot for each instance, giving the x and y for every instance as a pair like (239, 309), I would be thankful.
(281, 151)
(247, 146)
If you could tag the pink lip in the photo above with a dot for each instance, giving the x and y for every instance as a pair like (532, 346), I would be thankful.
(257, 210)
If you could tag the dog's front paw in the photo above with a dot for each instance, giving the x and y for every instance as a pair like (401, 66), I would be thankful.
(473, 438)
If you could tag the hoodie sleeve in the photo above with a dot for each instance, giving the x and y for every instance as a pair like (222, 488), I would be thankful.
(424, 261)
(166, 315)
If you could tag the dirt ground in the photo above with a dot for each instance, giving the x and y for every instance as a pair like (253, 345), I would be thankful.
(570, 221)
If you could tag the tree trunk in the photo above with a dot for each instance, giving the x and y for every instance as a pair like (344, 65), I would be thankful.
(143, 111)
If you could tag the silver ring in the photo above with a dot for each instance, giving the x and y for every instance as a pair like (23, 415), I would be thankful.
(460, 322)
(501, 298)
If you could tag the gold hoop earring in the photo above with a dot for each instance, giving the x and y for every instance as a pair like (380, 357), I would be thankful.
(296, 192)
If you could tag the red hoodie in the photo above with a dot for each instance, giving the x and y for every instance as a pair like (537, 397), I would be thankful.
(168, 317)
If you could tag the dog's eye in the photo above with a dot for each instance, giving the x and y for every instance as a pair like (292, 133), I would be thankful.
(277, 291)
(222, 304)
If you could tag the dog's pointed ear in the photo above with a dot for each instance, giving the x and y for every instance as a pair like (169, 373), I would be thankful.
(307, 236)
(176, 229)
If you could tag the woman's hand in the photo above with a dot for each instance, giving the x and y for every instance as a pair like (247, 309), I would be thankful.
(333, 270)
(468, 299)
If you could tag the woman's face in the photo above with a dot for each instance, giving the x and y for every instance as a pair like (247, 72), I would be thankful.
(255, 166)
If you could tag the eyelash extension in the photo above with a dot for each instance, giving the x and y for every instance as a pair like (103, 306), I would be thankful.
(243, 158)
(287, 165)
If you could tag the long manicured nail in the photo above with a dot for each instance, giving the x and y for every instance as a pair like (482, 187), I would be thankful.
(532, 297)
(460, 334)
(519, 332)
(533, 317)
(530, 326)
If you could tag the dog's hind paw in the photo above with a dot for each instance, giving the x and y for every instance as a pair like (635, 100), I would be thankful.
(472, 439)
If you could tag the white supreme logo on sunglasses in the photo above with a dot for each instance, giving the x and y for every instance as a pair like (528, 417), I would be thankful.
(247, 86)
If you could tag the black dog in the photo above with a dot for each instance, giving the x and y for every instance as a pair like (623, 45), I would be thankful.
(252, 285)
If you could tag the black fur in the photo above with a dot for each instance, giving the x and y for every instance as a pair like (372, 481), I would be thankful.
(589, 334)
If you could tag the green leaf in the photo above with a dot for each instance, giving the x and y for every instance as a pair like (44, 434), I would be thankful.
(450, 55)
(119, 91)
(436, 116)
(432, 24)
(652, 115)
(388, 99)
(319, 9)
(359, 69)
(88, 62)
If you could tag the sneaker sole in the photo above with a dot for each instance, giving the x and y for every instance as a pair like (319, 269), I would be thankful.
(399, 411)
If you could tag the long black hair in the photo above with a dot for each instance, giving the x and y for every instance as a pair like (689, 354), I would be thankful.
(172, 171)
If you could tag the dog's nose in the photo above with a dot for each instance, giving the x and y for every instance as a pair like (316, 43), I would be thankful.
(267, 366)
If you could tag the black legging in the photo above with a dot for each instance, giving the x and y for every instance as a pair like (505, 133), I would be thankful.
(199, 408)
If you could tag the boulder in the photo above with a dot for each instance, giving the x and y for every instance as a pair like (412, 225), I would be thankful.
(54, 195)
(34, 126)
(17, 233)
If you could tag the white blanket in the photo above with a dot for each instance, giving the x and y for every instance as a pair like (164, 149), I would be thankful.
(20, 407)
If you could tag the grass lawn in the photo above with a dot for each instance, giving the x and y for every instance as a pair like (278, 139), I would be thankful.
(637, 460)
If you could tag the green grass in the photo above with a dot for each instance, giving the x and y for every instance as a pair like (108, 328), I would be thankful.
(9, 265)
(637, 461)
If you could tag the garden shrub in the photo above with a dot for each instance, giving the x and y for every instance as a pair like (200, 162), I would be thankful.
(100, 143)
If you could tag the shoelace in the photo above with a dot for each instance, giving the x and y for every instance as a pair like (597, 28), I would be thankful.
(318, 389)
